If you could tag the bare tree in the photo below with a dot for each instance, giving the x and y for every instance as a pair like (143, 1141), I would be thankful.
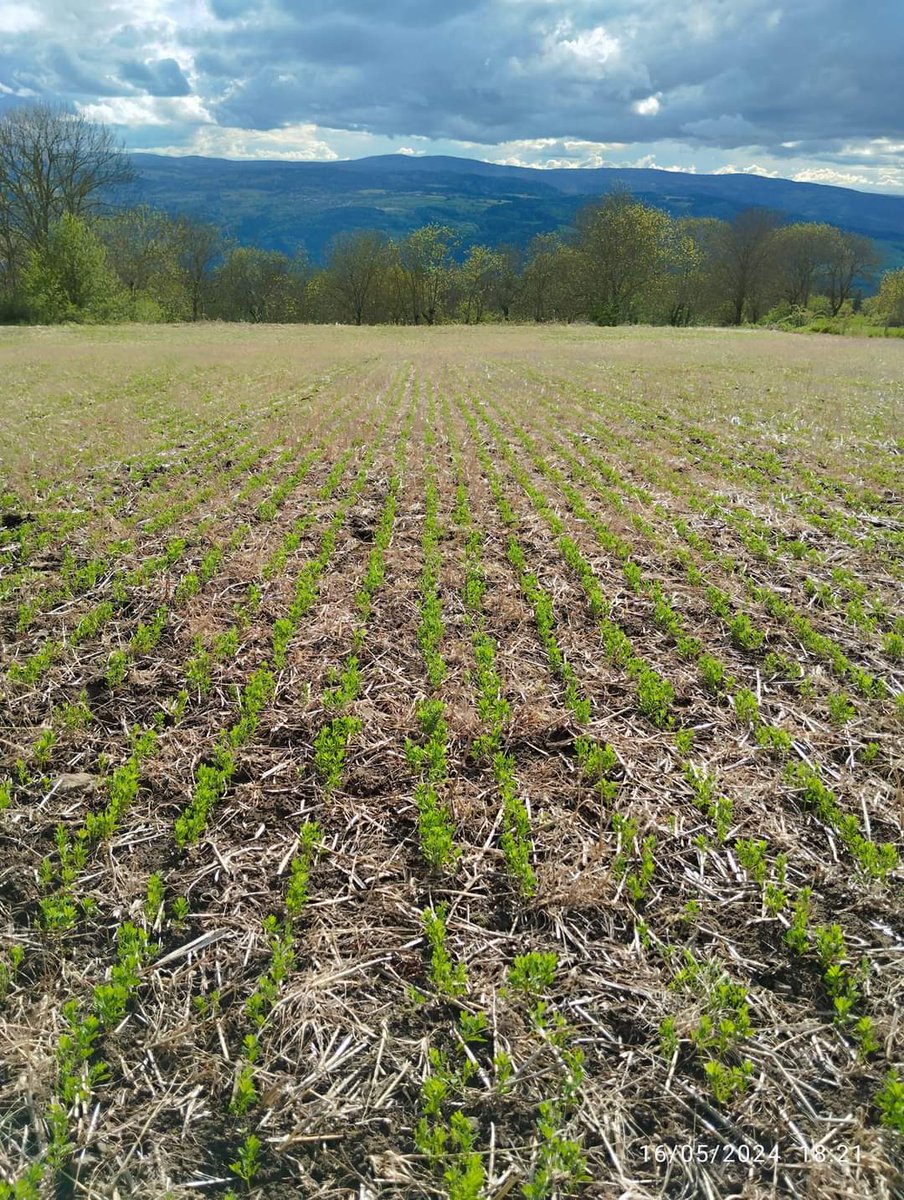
(540, 275)
(851, 257)
(802, 251)
(357, 263)
(200, 246)
(141, 243)
(745, 259)
(53, 163)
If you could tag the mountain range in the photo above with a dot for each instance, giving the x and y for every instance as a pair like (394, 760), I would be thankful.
(282, 205)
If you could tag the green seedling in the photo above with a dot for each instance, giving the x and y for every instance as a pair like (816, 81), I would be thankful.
(448, 980)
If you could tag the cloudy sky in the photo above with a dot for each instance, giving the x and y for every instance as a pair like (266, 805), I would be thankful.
(810, 90)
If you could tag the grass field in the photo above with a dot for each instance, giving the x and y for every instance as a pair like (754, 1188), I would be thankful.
(454, 762)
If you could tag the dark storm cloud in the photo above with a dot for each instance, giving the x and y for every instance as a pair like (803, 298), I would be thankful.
(163, 78)
(707, 73)
(722, 74)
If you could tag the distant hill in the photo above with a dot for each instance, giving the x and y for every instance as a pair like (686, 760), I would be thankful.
(279, 205)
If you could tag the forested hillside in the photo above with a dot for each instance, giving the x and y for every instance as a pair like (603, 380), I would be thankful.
(279, 205)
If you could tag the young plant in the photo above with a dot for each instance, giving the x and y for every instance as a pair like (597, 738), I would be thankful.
(248, 1163)
(448, 979)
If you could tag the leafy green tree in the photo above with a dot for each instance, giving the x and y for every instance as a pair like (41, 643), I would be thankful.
(425, 257)
(259, 285)
(143, 246)
(624, 246)
(506, 280)
(478, 279)
(68, 277)
(392, 303)
(888, 305)
(52, 163)
(687, 293)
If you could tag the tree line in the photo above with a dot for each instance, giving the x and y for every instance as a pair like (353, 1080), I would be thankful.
(65, 257)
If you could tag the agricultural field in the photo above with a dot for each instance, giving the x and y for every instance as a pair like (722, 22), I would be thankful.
(450, 763)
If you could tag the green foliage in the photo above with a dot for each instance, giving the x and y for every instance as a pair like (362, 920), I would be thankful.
(744, 633)
(331, 746)
(893, 645)
(244, 1094)
(68, 278)
(309, 839)
(117, 666)
(655, 696)
(253, 698)
(179, 911)
(726, 1081)
(283, 629)
(37, 665)
(473, 1027)
(598, 761)
(27, 1186)
(156, 893)
(516, 840)
(770, 737)
(91, 623)
(9, 968)
(890, 1101)
(841, 710)
(492, 707)
(684, 741)
(637, 882)
(197, 669)
(110, 999)
(533, 973)
(76, 715)
(708, 799)
(211, 781)
(751, 854)
(869, 753)
(560, 1161)
(42, 748)
(746, 707)
(712, 673)
(448, 979)
(79, 1070)
(876, 860)
(247, 1164)
(347, 685)
(797, 934)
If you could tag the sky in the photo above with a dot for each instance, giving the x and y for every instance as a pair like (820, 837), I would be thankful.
(810, 91)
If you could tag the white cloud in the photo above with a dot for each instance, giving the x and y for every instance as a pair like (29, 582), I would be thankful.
(750, 169)
(647, 108)
(291, 143)
(832, 176)
(19, 18)
(588, 51)
(23, 93)
(410, 151)
(147, 110)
